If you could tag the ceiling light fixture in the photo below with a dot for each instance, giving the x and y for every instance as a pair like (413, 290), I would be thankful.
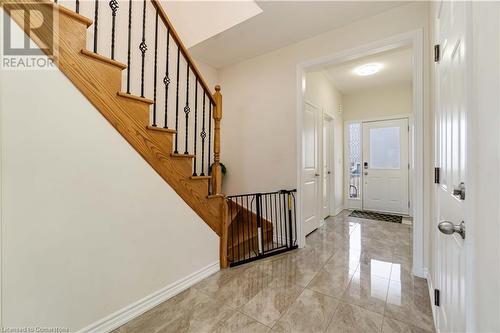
(368, 69)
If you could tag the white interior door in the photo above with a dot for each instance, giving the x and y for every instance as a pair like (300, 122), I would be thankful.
(326, 170)
(451, 151)
(310, 169)
(385, 166)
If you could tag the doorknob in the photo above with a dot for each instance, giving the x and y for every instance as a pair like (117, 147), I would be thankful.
(449, 228)
(366, 173)
(316, 175)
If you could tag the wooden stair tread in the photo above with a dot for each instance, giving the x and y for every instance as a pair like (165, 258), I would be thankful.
(88, 22)
(200, 177)
(161, 129)
(182, 155)
(136, 98)
(103, 59)
(216, 196)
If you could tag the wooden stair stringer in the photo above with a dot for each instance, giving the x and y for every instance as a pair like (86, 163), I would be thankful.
(242, 222)
(100, 82)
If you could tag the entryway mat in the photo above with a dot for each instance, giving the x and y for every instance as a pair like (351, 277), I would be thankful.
(377, 216)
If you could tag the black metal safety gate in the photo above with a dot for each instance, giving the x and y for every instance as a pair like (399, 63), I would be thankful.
(261, 225)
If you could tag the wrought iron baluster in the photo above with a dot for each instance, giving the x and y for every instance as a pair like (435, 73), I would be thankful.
(113, 4)
(187, 110)
(176, 150)
(166, 79)
(155, 69)
(96, 23)
(129, 43)
(77, 6)
(203, 135)
(143, 47)
(195, 122)
(209, 136)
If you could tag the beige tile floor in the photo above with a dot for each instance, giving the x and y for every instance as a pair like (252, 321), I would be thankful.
(353, 276)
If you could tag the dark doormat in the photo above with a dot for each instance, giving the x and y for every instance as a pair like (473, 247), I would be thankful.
(377, 216)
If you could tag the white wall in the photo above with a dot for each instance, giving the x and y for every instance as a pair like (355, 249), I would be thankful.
(88, 227)
(322, 92)
(260, 96)
(378, 102)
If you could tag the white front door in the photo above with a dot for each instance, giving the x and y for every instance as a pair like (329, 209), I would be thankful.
(327, 153)
(451, 147)
(385, 166)
(310, 169)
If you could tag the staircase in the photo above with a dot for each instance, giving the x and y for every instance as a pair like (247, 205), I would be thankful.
(129, 62)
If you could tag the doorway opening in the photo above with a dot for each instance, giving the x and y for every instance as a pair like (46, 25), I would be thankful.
(381, 150)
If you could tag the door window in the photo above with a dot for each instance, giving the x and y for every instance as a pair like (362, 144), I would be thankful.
(354, 153)
(385, 148)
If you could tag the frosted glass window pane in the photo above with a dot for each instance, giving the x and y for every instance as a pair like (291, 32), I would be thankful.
(385, 149)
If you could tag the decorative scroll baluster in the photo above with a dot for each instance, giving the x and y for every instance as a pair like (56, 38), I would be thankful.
(113, 4)
(77, 6)
(129, 43)
(155, 68)
(176, 151)
(166, 79)
(96, 23)
(203, 135)
(187, 110)
(195, 123)
(143, 47)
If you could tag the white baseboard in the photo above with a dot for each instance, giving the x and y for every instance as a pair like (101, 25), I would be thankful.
(431, 296)
(124, 315)
(338, 210)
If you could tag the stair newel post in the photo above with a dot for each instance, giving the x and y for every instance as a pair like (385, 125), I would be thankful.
(224, 235)
(216, 169)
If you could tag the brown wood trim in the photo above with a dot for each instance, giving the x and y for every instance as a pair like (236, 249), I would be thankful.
(88, 22)
(182, 155)
(161, 129)
(135, 98)
(216, 196)
(183, 49)
(223, 236)
(201, 177)
(103, 59)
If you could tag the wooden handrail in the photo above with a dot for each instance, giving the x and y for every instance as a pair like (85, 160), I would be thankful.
(183, 49)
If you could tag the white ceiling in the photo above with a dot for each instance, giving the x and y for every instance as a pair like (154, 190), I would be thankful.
(396, 68)
(196, 21)
(283, 23)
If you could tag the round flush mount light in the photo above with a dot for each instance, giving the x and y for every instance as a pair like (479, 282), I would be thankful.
(367, 69)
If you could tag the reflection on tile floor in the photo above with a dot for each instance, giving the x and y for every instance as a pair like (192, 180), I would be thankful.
(354, 275)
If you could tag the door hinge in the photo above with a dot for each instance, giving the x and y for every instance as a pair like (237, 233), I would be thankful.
(436, 297)
(437, 53)
(436, 175)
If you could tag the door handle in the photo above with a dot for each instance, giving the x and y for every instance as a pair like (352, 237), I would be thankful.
(448, 228)
(316, 175)
(366, 173)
